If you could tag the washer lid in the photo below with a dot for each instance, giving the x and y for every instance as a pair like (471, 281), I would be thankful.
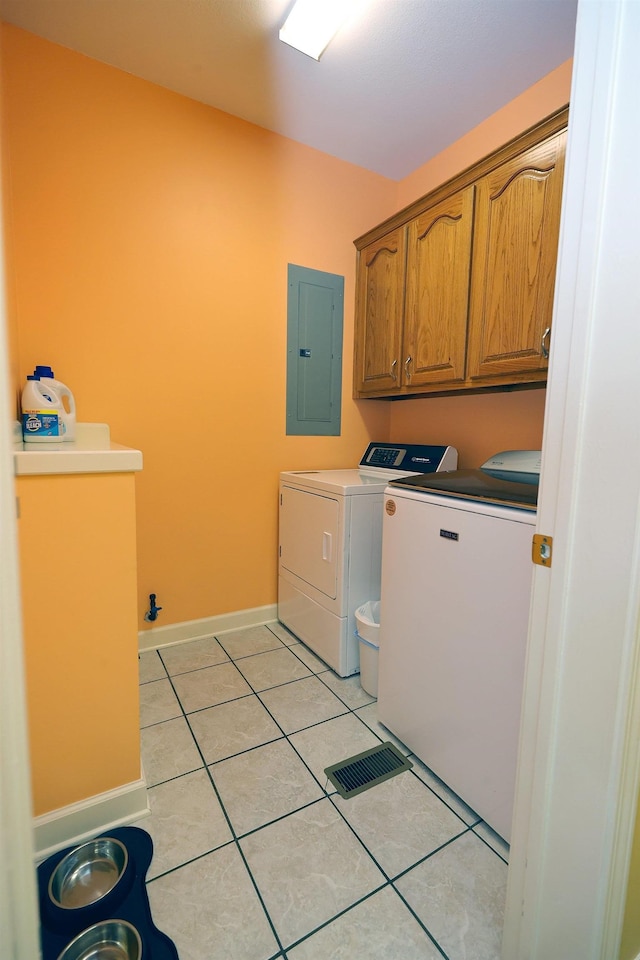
(473, 485)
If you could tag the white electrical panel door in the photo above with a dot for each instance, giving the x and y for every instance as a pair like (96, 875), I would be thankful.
(456, 584)
(311, 538)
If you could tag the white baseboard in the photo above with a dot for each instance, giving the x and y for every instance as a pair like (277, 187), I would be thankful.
(187, 630)
(80, 821)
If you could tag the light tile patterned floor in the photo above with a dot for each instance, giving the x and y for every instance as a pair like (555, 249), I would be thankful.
(256, 857)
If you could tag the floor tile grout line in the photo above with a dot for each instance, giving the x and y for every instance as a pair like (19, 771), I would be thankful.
(186, 863)
(341, 913)
(373, 699)
(259, 896)
(393, 878)
(178, 776)
(348, 709)
(355, 710)
(275, 685)
(157, 723)
(185, 645)
(325, 668)
(271, 630)
(384, 873)
(256, 653)
(246, 752)
(157, 653)
(419, 921)
(359, 838)
(205, 666)
(233, 833)
(209, 706)
(486, 842)
(310, 726)
(428, 856)
(242, 696)
(447, 804)
(236, 838)
(418, 863)
(471, 826)
(253, 690)
(286, 735)
(284, 816)
(257, 746)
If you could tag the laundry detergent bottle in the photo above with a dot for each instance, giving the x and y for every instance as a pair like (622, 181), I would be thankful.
(41, 417)
(66, 398)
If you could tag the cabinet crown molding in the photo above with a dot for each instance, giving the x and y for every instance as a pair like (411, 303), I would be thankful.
(554, 123)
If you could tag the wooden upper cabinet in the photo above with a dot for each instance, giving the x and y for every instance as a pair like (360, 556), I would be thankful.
(455, 291)
(437, 292)
(517, 223)
(379, 310)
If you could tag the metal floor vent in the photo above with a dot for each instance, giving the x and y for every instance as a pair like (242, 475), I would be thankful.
(357, 774)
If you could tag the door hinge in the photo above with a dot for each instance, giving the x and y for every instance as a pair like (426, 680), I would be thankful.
(542, 549)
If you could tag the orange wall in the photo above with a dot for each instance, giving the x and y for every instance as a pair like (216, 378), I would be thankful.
(148, 249)
(148, 242)
(477, 426)
(481, 424)
(78, 575)
(11, 321)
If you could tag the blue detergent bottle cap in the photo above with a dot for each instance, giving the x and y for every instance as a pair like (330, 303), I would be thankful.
(43, 372)
(35, 376)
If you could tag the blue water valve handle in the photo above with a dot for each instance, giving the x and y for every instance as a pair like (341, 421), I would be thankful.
(152, 613)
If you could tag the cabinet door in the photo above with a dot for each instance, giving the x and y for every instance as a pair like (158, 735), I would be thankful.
(517, 221)
(379, 312)
(437, 292)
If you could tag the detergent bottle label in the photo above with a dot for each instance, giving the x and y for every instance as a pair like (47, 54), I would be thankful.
(42, 423)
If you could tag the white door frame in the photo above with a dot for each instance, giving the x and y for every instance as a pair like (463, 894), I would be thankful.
(578, 772)
(18, 899)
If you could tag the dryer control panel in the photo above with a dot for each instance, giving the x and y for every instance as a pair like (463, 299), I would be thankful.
(413, 457)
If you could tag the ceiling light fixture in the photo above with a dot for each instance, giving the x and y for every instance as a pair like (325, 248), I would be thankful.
(312, 24)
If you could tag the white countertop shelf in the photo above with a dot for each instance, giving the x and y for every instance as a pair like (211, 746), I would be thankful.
(91, 452)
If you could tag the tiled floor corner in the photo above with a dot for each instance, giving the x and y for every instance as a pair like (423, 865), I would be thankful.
(255, 855)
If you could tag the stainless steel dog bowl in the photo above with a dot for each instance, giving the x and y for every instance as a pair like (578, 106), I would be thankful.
(109, 940)
(88, 873)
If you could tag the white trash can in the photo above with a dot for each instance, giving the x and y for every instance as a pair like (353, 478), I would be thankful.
(368, 634)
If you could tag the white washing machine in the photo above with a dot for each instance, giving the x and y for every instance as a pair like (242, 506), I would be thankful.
(331, 544)
(456, 584)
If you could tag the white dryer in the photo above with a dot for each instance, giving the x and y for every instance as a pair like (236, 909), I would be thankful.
(331, 544)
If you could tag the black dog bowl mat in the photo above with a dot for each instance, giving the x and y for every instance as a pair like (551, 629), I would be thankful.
(128, 900)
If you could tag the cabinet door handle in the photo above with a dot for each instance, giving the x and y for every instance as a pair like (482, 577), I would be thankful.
(406, 367)
(544, 347)
(394, 375)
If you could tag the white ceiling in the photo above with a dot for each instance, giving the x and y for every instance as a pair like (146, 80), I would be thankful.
(393, 89)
